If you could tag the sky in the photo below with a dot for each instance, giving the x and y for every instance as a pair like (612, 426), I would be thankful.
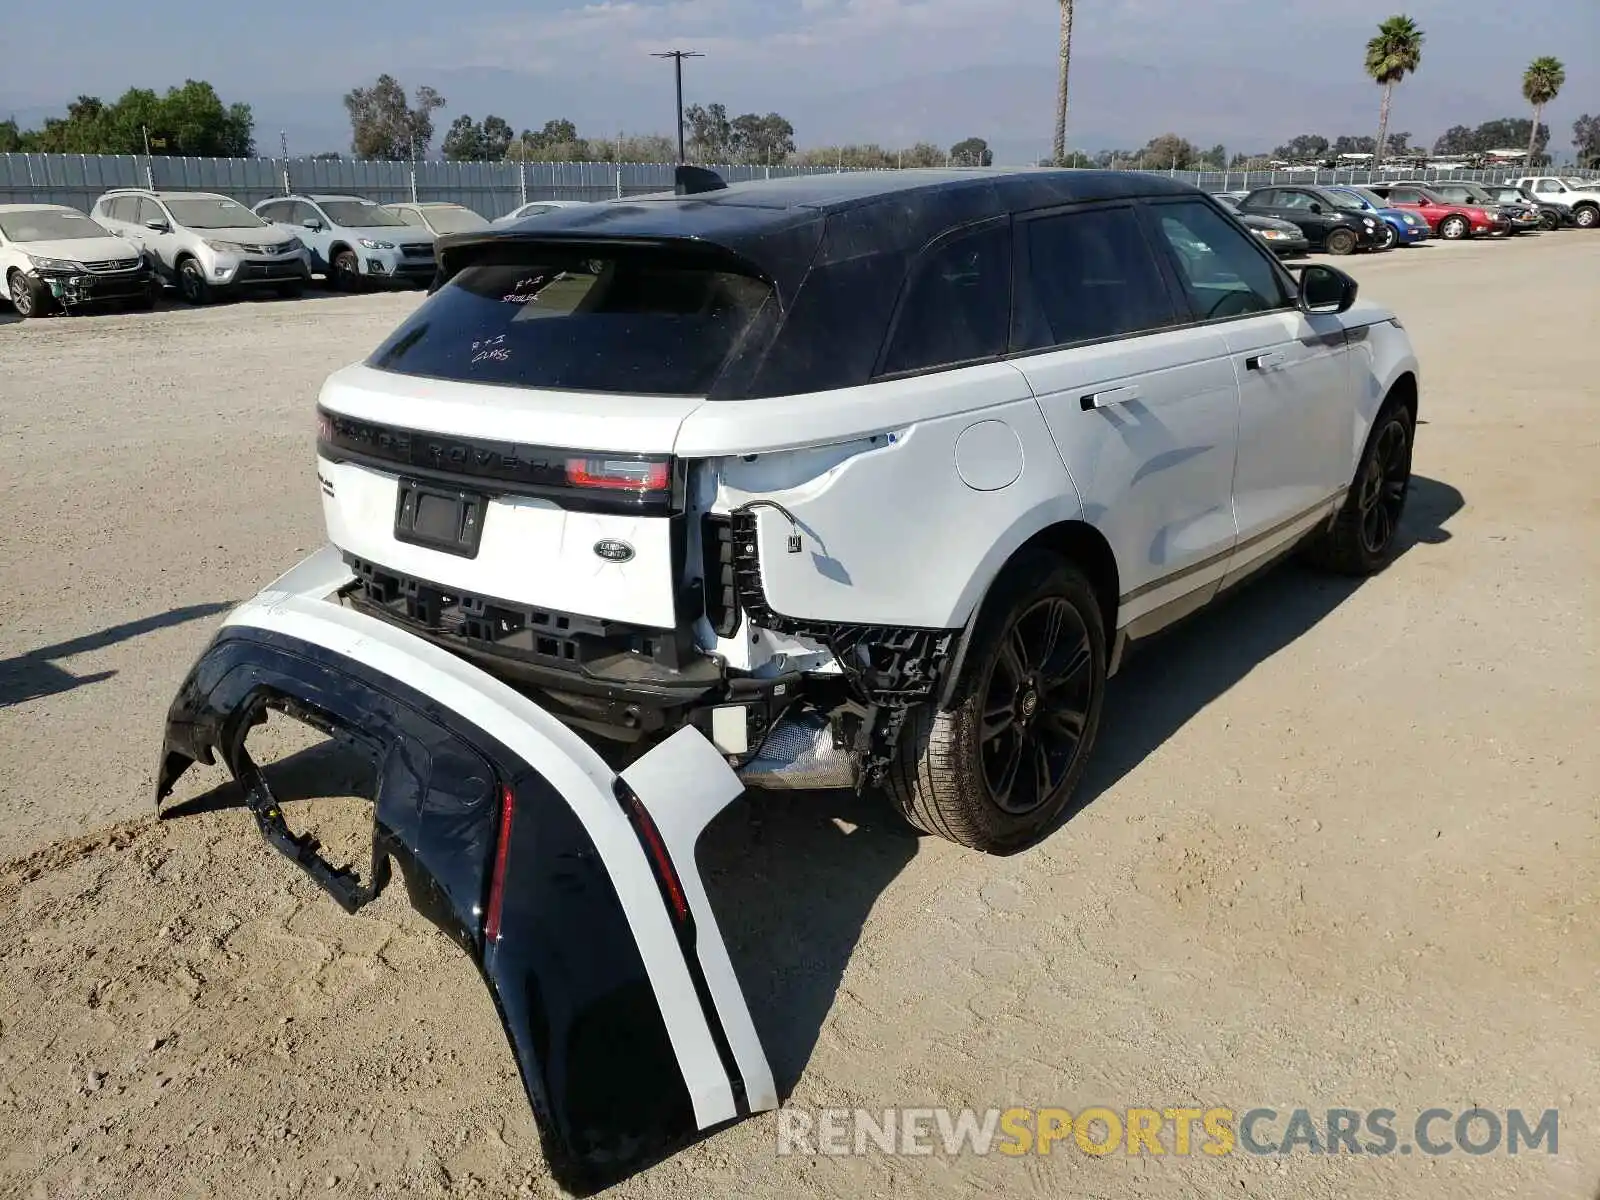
(1244, 73)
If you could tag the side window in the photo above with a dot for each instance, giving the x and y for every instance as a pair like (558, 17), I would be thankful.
(1296, 199)
(300, 212)
(1220, 268)
(1549, 186)
(956, 306)
(1091, 274)
(149, 210)
(1406, 196)
(408, 215)
(273, 212)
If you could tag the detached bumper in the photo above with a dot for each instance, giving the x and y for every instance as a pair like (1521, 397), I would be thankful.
(573, 889)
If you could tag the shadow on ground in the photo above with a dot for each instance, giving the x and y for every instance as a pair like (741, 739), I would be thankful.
(34, 674)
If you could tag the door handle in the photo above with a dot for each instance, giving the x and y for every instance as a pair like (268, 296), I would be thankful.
(1105, 399)
(1263, 362)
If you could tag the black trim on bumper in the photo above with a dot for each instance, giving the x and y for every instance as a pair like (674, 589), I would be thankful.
(566, 975)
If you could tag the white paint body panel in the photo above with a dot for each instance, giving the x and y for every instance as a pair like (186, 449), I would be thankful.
(679, 782)
(1154, 471)
(1186, 463)
(532, 550)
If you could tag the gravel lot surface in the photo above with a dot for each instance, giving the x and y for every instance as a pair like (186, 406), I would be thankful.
(1343, 849)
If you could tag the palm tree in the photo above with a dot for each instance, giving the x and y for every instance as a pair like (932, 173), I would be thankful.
(1059, 150)
(1540, 83)
(1395, 53)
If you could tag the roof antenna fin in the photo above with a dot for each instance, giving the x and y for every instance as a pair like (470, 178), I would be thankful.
(691, 181)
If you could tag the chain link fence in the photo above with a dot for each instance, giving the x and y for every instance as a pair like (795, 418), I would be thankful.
(494, 189)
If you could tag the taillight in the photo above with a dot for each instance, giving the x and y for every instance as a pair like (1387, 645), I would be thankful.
(661, 861)
(497, 881)
(620, 474)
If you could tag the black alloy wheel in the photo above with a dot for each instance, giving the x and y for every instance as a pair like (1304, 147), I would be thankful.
(1384, 485)
(1036, 705)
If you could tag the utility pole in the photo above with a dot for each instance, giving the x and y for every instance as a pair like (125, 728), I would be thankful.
(677, 57)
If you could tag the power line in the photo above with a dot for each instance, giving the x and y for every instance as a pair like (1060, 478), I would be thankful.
(677, 57)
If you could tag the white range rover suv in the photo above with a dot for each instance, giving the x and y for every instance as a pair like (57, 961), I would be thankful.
(870, 479)
(853, 480)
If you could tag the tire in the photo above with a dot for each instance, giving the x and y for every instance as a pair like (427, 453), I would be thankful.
(1041, 622)
(1549, 221)
(345, 272)
(28, 296)
(1391, 237)
(1587, 217)
(192, 284)
(1341, 241)
(1362, 538)
(1453, 229)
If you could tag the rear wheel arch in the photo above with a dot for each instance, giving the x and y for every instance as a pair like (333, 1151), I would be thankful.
(1073, 541)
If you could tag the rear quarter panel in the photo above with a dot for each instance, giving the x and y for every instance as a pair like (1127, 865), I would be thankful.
(896, 531)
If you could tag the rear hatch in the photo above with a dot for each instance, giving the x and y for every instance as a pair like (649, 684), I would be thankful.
(513, 439)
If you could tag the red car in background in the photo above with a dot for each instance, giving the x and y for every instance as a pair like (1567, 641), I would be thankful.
(1449, 221)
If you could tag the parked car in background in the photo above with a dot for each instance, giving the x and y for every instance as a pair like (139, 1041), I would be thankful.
(536, 208)
(1580, 197)
(1330, 222)
(1452, 222)
(440, 217)
(353, 241)
(1551, 216)
(1284, 238)
(206, 245)
(1405, 228)
(55, 258)
(1522, 216)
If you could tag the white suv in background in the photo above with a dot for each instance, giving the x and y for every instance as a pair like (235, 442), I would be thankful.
(206, 245)
(1580, 197)
(352, 240)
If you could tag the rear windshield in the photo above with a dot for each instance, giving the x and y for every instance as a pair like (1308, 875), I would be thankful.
(630, 323)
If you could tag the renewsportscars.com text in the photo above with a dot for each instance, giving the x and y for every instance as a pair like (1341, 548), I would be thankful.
(1177, 1131)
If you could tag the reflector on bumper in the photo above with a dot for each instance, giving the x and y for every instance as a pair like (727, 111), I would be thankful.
(630, 1030)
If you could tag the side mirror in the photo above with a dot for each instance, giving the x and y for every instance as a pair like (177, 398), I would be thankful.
(312, 224)
(1325, 289)
(158, 225)
(1316, 207)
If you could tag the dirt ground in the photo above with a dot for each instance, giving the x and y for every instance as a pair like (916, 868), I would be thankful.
(1342, 849)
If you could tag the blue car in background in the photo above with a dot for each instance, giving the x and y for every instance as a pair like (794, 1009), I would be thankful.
(1406, 228)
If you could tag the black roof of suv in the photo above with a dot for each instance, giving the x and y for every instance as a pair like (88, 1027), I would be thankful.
(835, 249)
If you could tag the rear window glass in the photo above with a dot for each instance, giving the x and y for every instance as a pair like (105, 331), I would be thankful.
(641, 324)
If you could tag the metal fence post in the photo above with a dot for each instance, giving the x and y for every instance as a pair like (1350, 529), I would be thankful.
(413, 183)
(522, 179)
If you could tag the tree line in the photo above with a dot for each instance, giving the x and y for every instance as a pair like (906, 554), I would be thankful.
(387, 123)
(188, 120)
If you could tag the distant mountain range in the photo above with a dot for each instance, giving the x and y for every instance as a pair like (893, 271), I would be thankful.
(1115, 103)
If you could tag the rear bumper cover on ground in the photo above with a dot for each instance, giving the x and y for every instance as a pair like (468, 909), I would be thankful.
(608, 969)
